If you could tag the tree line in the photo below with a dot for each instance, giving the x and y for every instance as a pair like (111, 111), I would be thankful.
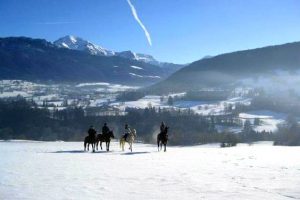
(21, 119)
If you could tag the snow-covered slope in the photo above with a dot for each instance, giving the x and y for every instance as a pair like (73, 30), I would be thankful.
(77, 43)
(138, 56)
(61, 170)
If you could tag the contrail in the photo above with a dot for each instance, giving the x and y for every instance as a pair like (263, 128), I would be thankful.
(136, 17)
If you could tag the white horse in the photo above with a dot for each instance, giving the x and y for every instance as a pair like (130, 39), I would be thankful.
(129, 139)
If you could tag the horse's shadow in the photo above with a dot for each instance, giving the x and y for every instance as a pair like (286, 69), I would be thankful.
(101, 151)
(70, 151)
(135, 153)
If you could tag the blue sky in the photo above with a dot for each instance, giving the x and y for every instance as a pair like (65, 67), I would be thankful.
(182, 31)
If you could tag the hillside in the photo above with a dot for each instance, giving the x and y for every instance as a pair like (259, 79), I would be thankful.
(77, 43)
(231, 68)
(37, 59)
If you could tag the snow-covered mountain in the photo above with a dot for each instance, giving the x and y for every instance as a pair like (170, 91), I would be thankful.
(77, 43)
(137, 56)
(37, 59)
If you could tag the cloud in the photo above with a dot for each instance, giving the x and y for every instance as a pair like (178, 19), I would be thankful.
(136, 17)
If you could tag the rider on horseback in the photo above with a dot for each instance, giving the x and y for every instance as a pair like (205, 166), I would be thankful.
(105, 129)
(92, 132)
(162, 127)
(127, 131)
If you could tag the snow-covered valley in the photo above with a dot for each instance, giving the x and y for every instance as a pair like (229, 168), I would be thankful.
(61, 170)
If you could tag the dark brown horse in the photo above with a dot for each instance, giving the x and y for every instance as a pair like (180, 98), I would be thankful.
(89, 140)
(162, 139)
(106, 137)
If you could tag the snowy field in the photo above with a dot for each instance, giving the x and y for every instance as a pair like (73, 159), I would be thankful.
(268, 120)
(61, 170)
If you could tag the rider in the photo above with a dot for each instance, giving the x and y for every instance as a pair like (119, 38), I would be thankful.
(92, 132)
(127, 131)
(105, 129)
(162, 127)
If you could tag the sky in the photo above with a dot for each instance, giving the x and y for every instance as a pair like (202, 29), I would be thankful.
(181, 31)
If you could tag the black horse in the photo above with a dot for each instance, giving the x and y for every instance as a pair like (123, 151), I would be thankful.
(162, 139)
(106, 137)
(89, 140)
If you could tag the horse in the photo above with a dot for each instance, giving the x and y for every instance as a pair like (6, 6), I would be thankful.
(89, 140)
(162, 139)
(106, 137)
(129, 139)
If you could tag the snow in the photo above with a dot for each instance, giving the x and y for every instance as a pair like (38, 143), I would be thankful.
(73, 39)
(76, 43)
(65, 45)
(93, 84)
(61, 170)
(217, 107)
(199, 107)
(153, 76)
(136, 67)
(13, 94)
(144, 102)
(140, 76)
(46, 97)
(268, 119)
(133, 74)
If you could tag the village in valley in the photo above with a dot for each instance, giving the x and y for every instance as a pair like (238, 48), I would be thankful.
(106, 99)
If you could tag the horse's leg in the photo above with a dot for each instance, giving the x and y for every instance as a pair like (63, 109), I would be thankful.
(101, 144)
(93, 146)
(158, 145)
(123, 145)
(130, 144)
(165, 147)
(84, 146)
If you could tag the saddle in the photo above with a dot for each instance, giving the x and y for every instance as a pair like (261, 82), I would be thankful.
(125, 136)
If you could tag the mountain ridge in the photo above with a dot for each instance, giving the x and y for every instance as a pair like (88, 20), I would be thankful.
(37, 59)
(229, 68)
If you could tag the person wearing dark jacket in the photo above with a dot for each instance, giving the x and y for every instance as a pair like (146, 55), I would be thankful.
(127, 131)
(92, 132)
(105, 129)
(162, 127)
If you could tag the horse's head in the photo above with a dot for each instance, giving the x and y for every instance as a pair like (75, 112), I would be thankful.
(134, 132)
(166, 129)
(111, 134)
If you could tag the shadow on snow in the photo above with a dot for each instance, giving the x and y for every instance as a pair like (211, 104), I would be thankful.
(101, 152)
(135, 153)
(70, 151)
